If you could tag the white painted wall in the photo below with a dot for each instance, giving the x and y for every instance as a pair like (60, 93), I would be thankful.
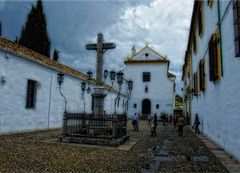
(160, 88)
(48, 113)
(218, 106)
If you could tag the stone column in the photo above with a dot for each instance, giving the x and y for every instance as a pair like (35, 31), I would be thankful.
(98, 100)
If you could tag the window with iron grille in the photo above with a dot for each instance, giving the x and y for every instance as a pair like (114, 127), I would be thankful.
(202, 75)
(146, 76)
(135, 105)
(196, 88)
(200, 21)
(236, 20)
(31, 94)
(214, 57)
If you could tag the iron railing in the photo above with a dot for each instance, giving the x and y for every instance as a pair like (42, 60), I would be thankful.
(88, 125)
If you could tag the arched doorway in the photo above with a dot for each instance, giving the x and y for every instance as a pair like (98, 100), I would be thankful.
(146, 107)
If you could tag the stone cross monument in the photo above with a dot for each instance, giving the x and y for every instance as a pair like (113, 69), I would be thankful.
(101, 48)
(99, 92)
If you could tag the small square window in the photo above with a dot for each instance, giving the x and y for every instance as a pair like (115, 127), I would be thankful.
(135, 105)
(146, 76)
(157, 106)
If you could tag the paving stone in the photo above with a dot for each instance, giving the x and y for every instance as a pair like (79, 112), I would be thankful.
(41, 152)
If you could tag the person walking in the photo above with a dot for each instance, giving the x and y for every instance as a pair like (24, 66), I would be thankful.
(181, 123)
(149, 117)
(196, 124)
(154, 125)
(135, 120)
(174, 121)
(163, 117)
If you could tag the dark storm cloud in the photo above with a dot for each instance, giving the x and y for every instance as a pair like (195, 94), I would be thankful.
(71, 24)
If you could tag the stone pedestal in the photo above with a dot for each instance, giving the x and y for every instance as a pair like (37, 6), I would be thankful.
(98, 101)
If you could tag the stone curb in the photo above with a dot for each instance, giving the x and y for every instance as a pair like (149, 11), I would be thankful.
(230, 163)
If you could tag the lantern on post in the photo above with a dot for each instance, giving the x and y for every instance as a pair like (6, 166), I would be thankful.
(105, 74)
(130, 85)
(112, 75)
(120, 78)
(83, 86)
(119, 81)
(89, 73)
(60, 78)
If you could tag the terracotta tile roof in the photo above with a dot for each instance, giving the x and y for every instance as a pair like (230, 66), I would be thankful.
(35, 57)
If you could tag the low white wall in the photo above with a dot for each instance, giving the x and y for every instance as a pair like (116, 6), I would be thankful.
(48, 113)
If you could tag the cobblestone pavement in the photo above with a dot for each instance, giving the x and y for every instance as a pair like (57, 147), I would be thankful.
(31, 152)
(184, 154)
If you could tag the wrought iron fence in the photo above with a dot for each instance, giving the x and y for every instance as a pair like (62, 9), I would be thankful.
(88, 125)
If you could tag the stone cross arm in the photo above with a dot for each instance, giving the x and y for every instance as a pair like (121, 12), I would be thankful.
(104, 46)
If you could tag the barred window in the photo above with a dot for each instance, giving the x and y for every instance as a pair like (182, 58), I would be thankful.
(200, 21)
(210, 2)
(236, 19)
(31, 93)
(214, 57)
(146, 76)
(196, 88)
(202, 75)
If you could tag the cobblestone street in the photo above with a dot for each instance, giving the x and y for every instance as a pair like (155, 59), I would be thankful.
(40, 152)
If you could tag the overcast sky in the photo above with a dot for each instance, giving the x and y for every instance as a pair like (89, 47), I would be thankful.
(163, 24)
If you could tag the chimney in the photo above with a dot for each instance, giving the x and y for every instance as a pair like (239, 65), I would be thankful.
(133, 50)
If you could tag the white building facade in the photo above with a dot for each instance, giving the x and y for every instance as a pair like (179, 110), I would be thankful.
(154, 87)
(30, 98)
(210, 73)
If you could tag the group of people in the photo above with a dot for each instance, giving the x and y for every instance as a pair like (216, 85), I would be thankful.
(179, 121)
(152, 123)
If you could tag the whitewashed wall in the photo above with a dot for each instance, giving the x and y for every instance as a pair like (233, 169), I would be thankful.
(160, 88)
(218, 106)
(48, 113)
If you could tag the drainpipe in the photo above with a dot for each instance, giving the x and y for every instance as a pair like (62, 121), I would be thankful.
(220, 32)
(49, 106)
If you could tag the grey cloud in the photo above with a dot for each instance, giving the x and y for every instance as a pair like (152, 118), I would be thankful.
(72, 24)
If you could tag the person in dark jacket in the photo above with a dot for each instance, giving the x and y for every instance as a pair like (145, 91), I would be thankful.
(181, 123)
(196, 124)
(154, 125)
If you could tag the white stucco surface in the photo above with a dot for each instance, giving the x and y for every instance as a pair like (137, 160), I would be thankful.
(160, 88)
(48, 112)
(218, 106)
